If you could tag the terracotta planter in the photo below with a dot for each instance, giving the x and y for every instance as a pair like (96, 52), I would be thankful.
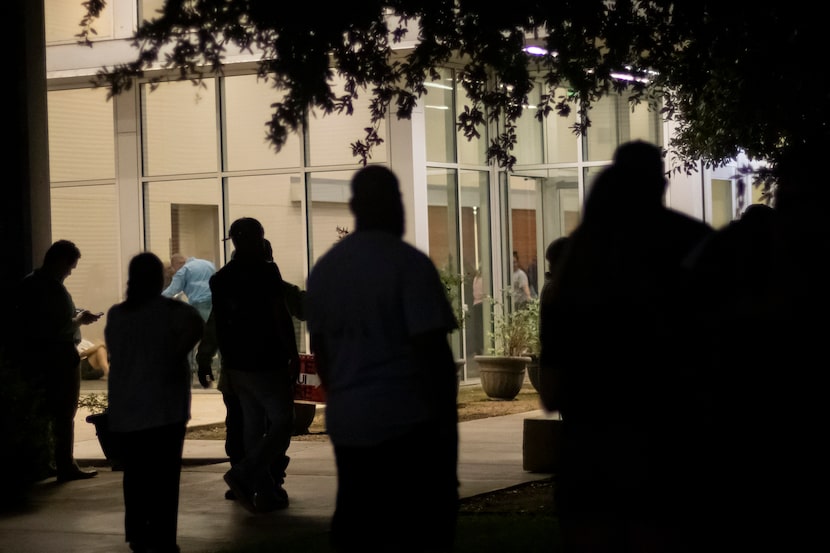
(502, 377)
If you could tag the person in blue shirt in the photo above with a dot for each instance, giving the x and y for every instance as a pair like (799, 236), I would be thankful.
(191, 276)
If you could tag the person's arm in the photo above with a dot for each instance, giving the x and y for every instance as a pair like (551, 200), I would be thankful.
(432, 349)
(525, 284)
(294, 300)
(176, 284)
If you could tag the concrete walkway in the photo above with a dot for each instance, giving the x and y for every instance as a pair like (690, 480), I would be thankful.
(87, 516)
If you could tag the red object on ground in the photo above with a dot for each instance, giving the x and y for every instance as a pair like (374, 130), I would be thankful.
(309, 388)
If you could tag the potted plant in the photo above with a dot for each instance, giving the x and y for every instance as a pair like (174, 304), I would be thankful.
(515, 339)
(97, 405)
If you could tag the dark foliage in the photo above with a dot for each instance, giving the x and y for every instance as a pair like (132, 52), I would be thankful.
(733, 76)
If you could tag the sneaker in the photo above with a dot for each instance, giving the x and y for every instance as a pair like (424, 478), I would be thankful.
(241, 489)
(271, 500)
(282, 497)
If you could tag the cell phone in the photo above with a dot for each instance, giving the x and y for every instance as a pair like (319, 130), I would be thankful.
(78, 311)
(99, 314)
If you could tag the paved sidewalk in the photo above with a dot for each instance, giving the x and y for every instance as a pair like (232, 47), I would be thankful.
(86, 516)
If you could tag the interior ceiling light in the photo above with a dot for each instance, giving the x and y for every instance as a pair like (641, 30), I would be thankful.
(535, 50)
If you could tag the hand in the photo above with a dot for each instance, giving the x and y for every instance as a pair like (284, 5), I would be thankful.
(85, 317)
(205, 375)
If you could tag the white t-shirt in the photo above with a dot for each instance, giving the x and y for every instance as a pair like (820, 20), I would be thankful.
(368, 296)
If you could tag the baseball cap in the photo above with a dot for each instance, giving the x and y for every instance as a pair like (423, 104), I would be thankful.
(245, 228)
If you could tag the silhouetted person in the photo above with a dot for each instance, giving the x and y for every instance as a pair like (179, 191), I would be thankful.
(379, 321)
(49, 331)
(626, 470)
(149, 337)
(548, 389)
(234, 426)
(259, 356)
(741, 285)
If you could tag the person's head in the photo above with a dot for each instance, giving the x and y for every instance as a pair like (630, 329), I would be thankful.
(177, 261)
(607, 198)
(515, 259)
(248, 237)
(555, 250)
(61, 258)
(640, 163)
(376, 200)
(145, 278)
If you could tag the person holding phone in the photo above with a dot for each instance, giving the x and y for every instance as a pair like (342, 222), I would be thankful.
(49, 330)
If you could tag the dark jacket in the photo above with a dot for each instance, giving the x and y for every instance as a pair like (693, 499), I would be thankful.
(254, 329)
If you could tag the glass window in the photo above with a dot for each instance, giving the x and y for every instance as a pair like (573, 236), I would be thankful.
(62, 20)
(439, 115)
(179, 124)
(591, 174)
(88, 216)
(183, 217)
(278, 202)
(614, 121)
(722, 202)
(529, 132)
(442, 209)
(330, 136)
(443, 229)
(470, 152)
(248, 108)
(330, 195)
(81, 135)
(477, 259)
(82, 151)
(524, 218)
(560, 205)
(561, 141)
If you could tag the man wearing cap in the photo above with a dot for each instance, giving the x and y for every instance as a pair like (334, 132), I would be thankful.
(256, 340)
(379, 320)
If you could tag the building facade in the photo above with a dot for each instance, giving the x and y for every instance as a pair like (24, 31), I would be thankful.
(168, 168)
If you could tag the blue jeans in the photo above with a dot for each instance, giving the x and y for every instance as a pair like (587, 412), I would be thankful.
(267, 402)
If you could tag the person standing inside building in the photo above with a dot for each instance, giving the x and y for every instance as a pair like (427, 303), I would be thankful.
(258, 349)
(191, 276)
(49, 331)
(520, 285)
(149, 338)
(379, 321)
